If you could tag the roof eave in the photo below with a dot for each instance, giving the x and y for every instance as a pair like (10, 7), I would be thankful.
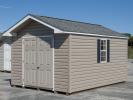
(98, 35)
(8, 32)
(56, 30)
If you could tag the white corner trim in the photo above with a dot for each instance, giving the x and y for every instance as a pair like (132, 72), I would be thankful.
(89, 34)
(8, 32)
(53, 63)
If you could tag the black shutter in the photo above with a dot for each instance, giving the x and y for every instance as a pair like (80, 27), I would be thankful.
(108, 50)
(98, 51)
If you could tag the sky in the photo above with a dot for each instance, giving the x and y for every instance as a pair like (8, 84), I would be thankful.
(114, 14)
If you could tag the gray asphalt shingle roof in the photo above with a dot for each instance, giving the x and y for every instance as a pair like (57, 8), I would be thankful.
(75, 26)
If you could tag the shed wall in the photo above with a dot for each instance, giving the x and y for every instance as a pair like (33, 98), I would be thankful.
(61, 42)
(31, 29)
(86, 73)
(16, 61)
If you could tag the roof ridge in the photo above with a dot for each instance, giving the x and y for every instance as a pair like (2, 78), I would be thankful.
(66, 19)
(101, 28)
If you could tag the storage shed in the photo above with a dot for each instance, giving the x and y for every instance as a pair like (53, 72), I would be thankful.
(64, 55)
(5, 53)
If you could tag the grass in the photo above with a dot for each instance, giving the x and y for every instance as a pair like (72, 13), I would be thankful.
(130, 52)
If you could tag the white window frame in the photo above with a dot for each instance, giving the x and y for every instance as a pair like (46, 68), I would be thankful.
(103, 50)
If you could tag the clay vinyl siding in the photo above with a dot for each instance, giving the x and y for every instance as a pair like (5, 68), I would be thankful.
(86, 73)
(32, 29)
(61, 54)
(16, 62)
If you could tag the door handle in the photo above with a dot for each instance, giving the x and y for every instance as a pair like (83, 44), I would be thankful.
(38, 67)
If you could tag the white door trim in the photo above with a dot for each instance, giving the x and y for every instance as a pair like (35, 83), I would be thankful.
(52, 36)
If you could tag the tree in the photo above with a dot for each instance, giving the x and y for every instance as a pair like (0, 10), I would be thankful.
(130, 41)
(127, 34)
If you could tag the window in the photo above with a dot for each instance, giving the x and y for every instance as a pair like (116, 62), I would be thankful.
(103, 50)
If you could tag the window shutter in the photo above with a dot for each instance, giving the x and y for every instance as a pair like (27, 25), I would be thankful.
(108, 50)
(98, 51)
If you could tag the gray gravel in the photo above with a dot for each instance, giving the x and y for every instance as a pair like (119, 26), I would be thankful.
(121, 91)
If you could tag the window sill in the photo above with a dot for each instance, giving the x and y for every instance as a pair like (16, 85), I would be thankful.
(102, 62)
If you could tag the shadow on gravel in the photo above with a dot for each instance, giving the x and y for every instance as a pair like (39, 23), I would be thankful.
(121, 90)
(8, 80)
(126, 85)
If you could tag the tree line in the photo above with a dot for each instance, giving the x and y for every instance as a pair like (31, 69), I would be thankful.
(130, 39)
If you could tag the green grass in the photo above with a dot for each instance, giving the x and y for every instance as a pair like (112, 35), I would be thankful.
(130, 52)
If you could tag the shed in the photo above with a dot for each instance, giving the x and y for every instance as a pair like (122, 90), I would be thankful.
(64, 55)
(5, 53)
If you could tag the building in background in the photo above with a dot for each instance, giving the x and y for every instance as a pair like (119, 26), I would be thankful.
(5, 53)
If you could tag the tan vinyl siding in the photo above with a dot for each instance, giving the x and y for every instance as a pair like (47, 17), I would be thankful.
(16, 62)
(86, 73)
(61, 62)
(31, 29)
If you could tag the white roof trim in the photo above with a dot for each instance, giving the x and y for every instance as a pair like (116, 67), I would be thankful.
(7, 33)
(89, 34)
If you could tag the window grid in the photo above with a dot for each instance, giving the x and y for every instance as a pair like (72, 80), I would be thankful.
(103, 50)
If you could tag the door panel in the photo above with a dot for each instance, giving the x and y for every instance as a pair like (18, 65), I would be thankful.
(44, 62)
(38, 62)
(30, 75)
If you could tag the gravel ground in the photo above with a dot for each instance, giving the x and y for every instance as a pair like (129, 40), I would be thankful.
(121, 91)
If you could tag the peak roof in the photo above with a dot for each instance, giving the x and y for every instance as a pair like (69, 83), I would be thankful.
(75, 26)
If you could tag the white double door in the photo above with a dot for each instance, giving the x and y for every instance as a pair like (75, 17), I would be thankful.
(38, 70)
